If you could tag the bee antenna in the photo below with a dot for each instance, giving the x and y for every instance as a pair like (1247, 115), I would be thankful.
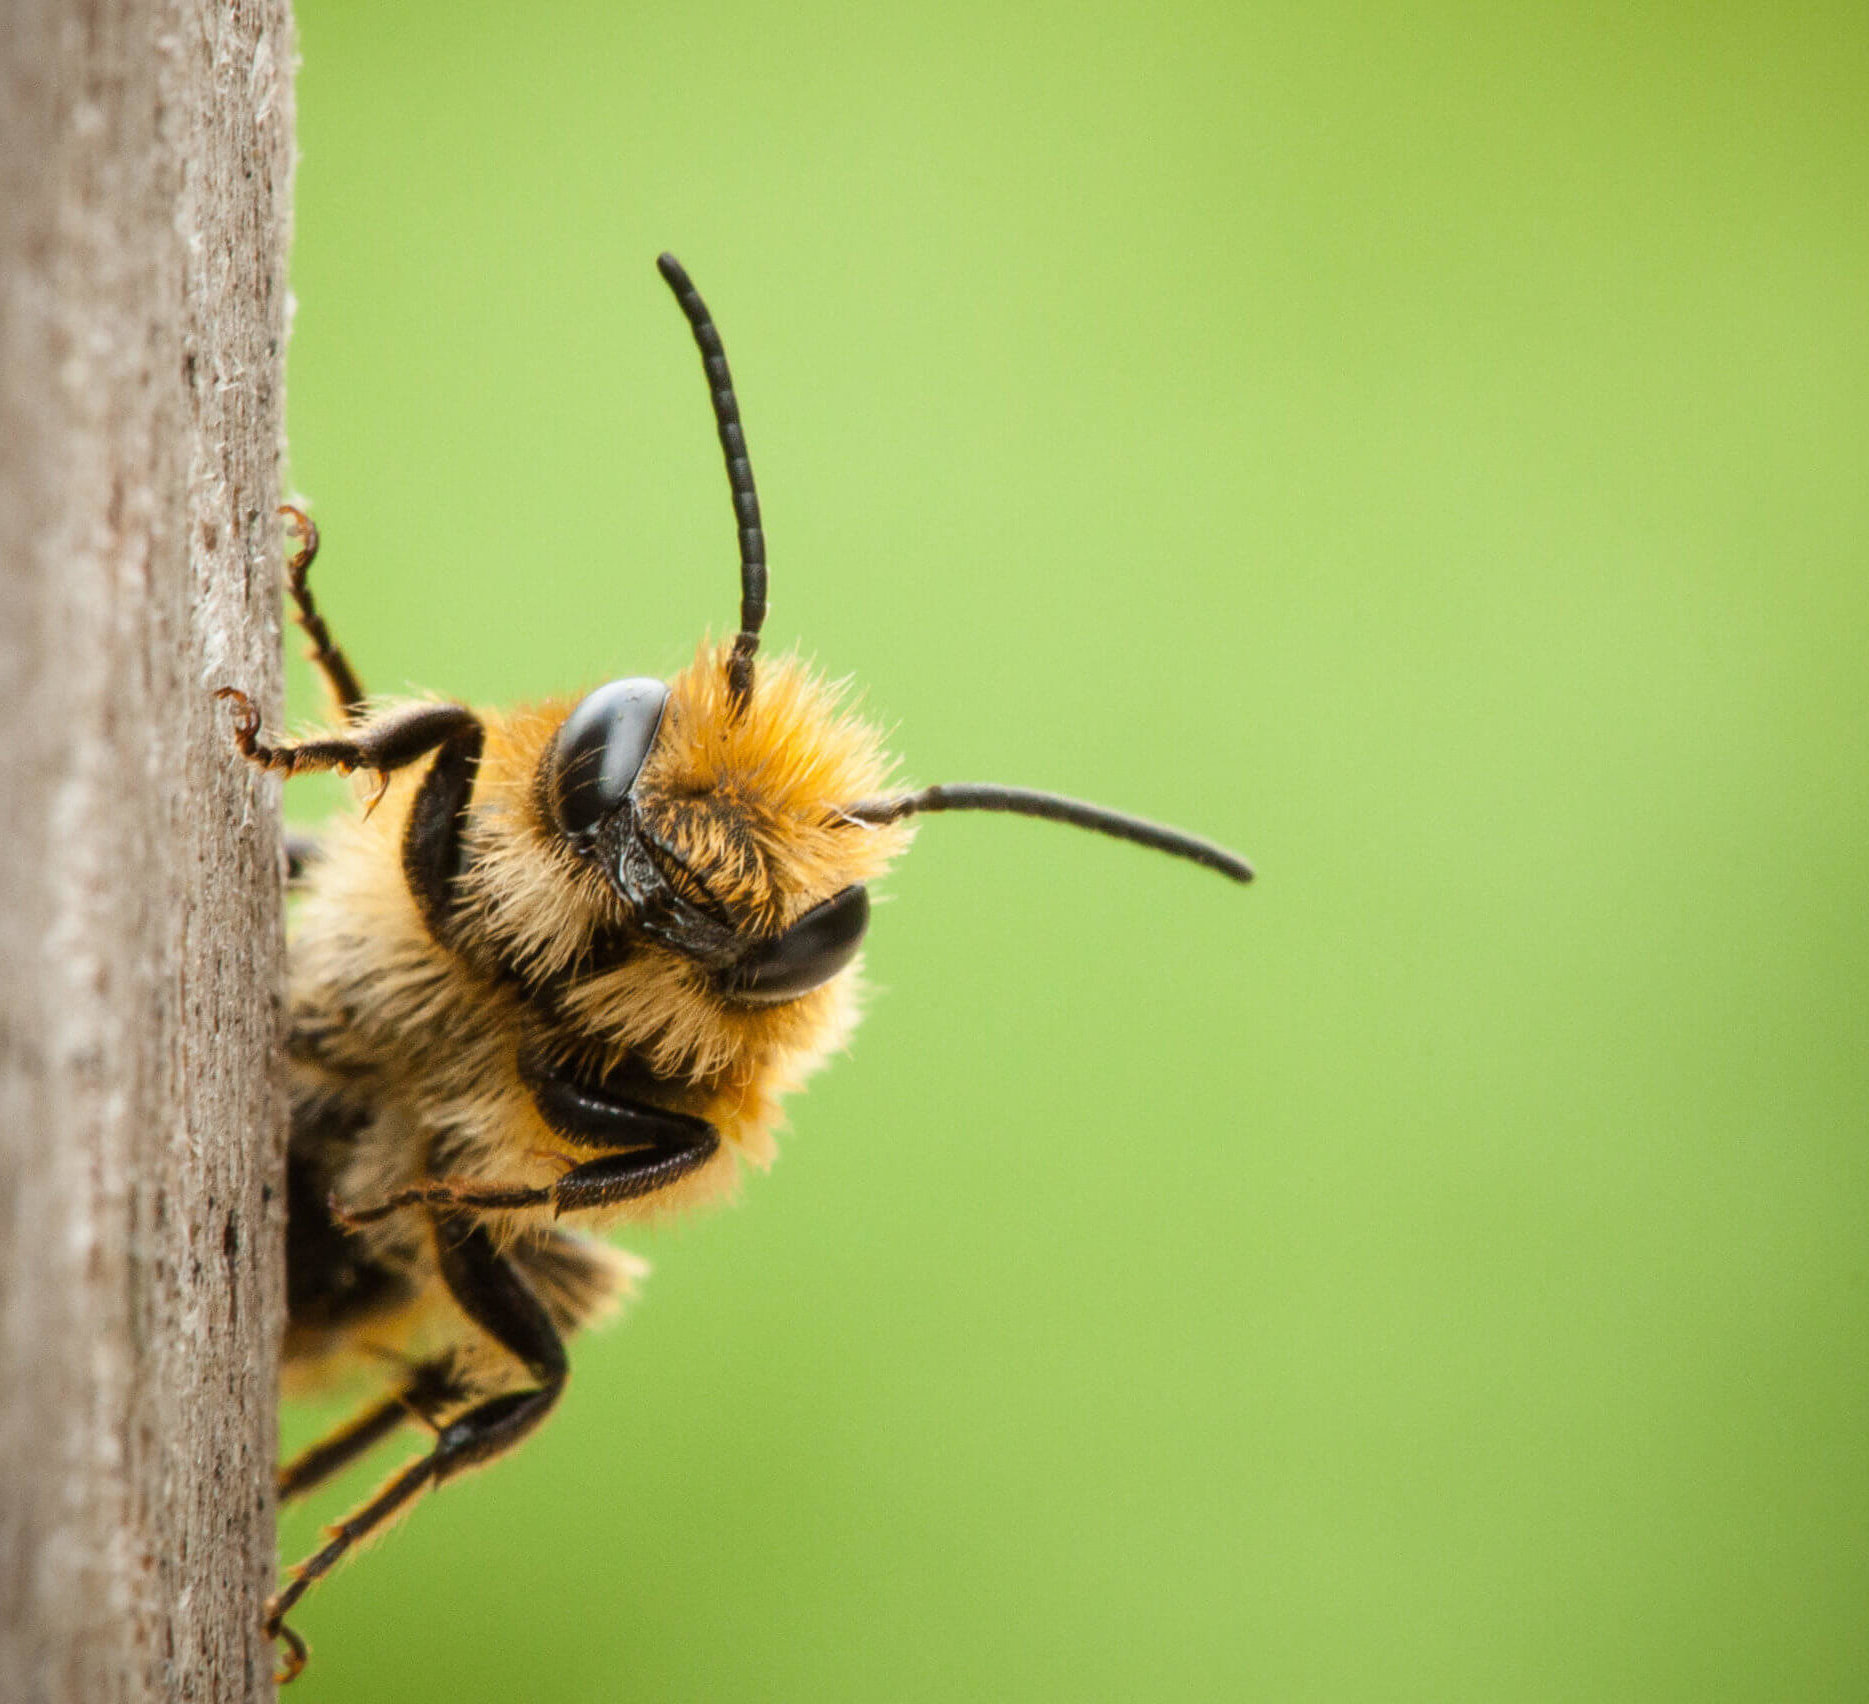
(739, 478)
(1022, 801)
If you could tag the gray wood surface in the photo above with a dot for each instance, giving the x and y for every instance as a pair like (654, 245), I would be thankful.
(145, 176)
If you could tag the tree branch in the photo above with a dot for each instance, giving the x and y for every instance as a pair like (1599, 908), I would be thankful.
(145, 166)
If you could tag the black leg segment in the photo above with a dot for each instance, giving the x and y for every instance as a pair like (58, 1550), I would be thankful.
(433, 854)
(432, 1389)
(629, 1177)
(496, 1299)
(337, 1450)
(650, 1148)
(603, 1115)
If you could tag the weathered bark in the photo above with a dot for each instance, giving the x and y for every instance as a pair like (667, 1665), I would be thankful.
(145, 167)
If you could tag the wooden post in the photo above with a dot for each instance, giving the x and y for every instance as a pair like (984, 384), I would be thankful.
(145, 173)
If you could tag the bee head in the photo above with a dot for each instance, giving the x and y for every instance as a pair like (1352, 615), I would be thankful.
(719, 821)
(738, 821)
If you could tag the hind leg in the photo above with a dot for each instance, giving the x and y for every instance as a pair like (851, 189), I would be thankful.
(431, 1389)
(497, 1300)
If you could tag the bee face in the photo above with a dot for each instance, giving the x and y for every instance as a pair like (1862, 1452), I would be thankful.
(721, 825)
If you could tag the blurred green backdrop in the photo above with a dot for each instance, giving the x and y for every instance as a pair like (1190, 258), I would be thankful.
(1421, 445)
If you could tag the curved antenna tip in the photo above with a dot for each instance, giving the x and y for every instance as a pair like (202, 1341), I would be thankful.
(1054, 807)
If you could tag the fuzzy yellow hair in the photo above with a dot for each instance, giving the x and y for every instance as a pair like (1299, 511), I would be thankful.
(753, 800)
(756, 798)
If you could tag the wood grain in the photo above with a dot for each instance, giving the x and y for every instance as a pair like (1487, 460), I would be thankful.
(145, 176)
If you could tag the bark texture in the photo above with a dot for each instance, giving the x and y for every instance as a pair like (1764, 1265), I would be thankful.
(145, 169)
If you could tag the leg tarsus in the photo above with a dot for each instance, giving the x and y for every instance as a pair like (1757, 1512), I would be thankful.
(295, 1650)
(447, 1197)
(341, 755)
(326, 655)
(359, 1524)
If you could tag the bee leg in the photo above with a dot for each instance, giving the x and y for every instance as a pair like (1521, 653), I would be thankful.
(628, 1177)
(493, 1295)
(434, 853)
(337, 1450)
(393, 742)
(429, 1390)
(326, 655)
(658, 1146)
(649, 1148)
(597, 1183)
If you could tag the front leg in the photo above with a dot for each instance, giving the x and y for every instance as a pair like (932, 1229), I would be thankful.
(433, 848)
(391, 742)
(326, 654)
(649, 1148)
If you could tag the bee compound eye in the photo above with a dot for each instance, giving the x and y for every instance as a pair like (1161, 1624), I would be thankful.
(806, 956)
(600, 751)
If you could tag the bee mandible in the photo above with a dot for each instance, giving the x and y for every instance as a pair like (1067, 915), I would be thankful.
(557, 973)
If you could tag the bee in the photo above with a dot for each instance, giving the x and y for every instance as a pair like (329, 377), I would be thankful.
(559, 972)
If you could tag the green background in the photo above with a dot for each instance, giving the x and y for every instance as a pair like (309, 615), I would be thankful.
(1422, 446)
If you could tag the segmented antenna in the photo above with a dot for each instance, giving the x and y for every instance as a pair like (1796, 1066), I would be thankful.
(1021, 801)
(739, 479)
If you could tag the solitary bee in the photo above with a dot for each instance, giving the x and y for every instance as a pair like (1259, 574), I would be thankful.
(562, 968)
